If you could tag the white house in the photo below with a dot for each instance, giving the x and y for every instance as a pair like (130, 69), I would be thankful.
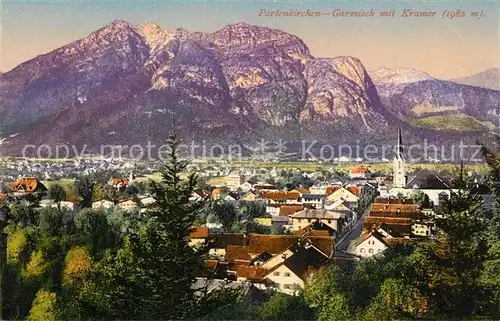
(359, 172)
(342, 194)
(333, 219)
(421, 229)
(245, 187)
(370, 244)
(104, 204)
(128, 205)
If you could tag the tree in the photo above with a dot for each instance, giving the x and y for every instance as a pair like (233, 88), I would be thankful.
(150, 277)
(286, 307)
(326, 293)
(58, 194)
(397, 300)
(225, 212)
(23, 215)
(85, 187)
(449, 265)
(44, 307)
(421, 198)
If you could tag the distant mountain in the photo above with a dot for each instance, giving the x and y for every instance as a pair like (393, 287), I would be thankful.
(489, 78)
(123, 83)
(427, 102)
(126, 84)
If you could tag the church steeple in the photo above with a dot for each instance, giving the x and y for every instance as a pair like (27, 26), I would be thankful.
(399, 174)
(400, 147)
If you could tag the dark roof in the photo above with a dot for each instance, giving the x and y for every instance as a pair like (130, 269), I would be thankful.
(425, 179)
(305, 260)
(221, 241)
(237, 253)
(313, 196)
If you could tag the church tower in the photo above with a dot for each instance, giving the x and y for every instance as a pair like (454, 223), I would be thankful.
(399, 173)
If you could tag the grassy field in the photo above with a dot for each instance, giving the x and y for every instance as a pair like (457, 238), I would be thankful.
(422, 109)
(452, 122)
(379, 167)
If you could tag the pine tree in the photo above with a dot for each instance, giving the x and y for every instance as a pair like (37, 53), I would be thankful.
(150, 277)
(449, 265)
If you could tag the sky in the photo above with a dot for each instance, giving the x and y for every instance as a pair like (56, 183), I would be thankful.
(443, 47)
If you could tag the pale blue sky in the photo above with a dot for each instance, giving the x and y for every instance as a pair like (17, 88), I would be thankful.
(442, 47)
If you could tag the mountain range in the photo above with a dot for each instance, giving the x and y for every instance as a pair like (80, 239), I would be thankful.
(126, 84)
(489, 78)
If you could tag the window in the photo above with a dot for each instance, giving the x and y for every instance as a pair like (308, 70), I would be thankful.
(287, 274)
(276, 273)
(370, 251)
(287, 286)
(361, 250)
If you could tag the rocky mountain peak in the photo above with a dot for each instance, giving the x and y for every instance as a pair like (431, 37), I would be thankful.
(353, 69)
(396, 76)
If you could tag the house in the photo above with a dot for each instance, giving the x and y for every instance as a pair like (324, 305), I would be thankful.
(437, 188)
(198, 236)
(249, 196)
(233, 181)
(146, 201)
(246, 187)
(359, 172)
(216, 194)
(218, 243)
(231, 197)
(265, 187)
(302, 191)
(333, 219)
(28, 185)
(70, 203)
(128, 205)
(315, 200)
(421, 229)
(280, 221)
(342, 194)
(198, 195)
(287, 210)
(287, 264)
(291, 197)
(370, 244)
(265, 221)
(119, 183)
(102, 204)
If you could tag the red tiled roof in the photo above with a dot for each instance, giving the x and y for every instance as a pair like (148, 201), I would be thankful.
(302, 190)
(116, 181)
(292, 195)
(251, 272)
(210, 264)
(2, 197)
(72, 199)
(287, 210)
(309, 231)
(275, 244)
(28, 184)
(360, 170)
(237, 253)
(200, 233)
(395, 207)
(331, 189)
(354, 189)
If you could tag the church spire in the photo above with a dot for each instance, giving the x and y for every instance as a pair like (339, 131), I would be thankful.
(400, 148)
(399, 173)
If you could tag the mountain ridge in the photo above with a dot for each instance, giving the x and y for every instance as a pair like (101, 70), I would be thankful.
(239, 83)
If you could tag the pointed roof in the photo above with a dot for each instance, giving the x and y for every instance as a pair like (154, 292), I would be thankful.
(400, 146)
(425, 179)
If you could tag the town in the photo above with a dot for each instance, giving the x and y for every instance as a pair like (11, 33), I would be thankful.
(269, 228)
